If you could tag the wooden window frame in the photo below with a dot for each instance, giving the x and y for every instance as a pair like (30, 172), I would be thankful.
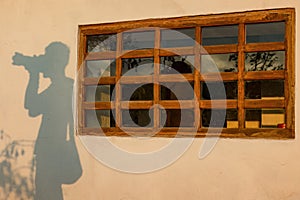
(239, 18)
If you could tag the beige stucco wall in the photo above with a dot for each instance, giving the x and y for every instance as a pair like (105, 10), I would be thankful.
(236, 169)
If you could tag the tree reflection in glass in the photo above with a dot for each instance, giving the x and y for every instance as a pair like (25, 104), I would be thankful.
(265, 61)
(100, 43)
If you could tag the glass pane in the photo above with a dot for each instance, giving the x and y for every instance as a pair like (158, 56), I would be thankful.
(97, 68)
(137, 66)
(138, 40)
(177, 91)
(172, 118)
(99, 93)
(265, 61)
(177, 38)
(218, 35)
(137, 118)
(220, 118)
(99, 118)
(135, 92)
(264, 118)
(264, 89)
(265, 32)
(219, 63)
(215, 90)
(177, 64)
(100, 43)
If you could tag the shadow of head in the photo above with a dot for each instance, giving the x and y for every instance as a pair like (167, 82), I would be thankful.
(55, 59)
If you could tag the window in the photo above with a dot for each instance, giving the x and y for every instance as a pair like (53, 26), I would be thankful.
(143, 77)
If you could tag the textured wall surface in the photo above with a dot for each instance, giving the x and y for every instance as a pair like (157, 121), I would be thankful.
(235, 169)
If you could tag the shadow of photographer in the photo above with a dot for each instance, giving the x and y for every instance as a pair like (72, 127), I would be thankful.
(57, 160)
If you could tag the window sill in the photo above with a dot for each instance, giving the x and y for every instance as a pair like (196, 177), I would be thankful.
(246, 133)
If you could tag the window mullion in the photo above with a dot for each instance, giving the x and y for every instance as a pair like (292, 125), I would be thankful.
(156, 91)
(118, 94)
(197, 88)
(241, 83)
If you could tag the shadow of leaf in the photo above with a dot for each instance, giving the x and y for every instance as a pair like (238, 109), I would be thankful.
(15, 181)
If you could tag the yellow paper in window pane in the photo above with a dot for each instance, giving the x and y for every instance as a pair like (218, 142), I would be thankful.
(105, 72)
(252, 124)
(232, 124)
(272, 119)
(105, 121)
(105, 96)
(273, 98)
(105, 93)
